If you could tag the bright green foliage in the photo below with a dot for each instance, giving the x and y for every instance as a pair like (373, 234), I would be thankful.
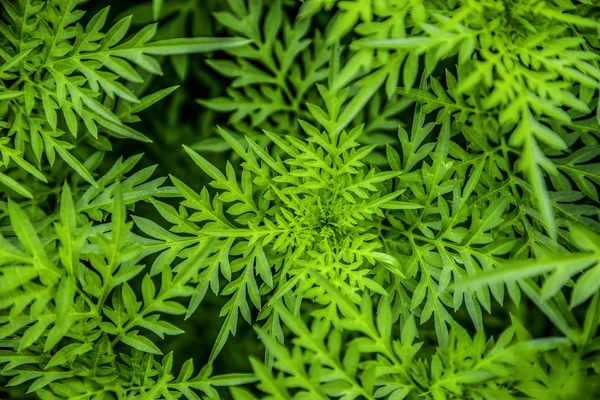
(474, 220)
(292, 64)
(60, 76)
(67, 303)
(176, 19)
(399, 198)
(312, 206)
(275, 76)
(458, 230)
(562, 266)
(379, 360)
(530, 63)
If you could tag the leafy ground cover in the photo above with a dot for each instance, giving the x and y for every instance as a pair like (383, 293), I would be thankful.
(318, 199)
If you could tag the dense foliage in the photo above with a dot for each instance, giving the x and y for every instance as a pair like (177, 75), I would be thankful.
(359, 199)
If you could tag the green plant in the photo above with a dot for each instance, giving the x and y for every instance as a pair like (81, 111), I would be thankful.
(531, 64)
(275, 76)
(319, 210)
(51, 62)
(437, 240)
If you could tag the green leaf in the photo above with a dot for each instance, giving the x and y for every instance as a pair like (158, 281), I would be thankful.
(74, 163)
(169, 47)
(27, 234)
(68, 353)
(33, 333)
(10, 94)
(140, 343)
(16, 186)
(587, 285)
(156, 7)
